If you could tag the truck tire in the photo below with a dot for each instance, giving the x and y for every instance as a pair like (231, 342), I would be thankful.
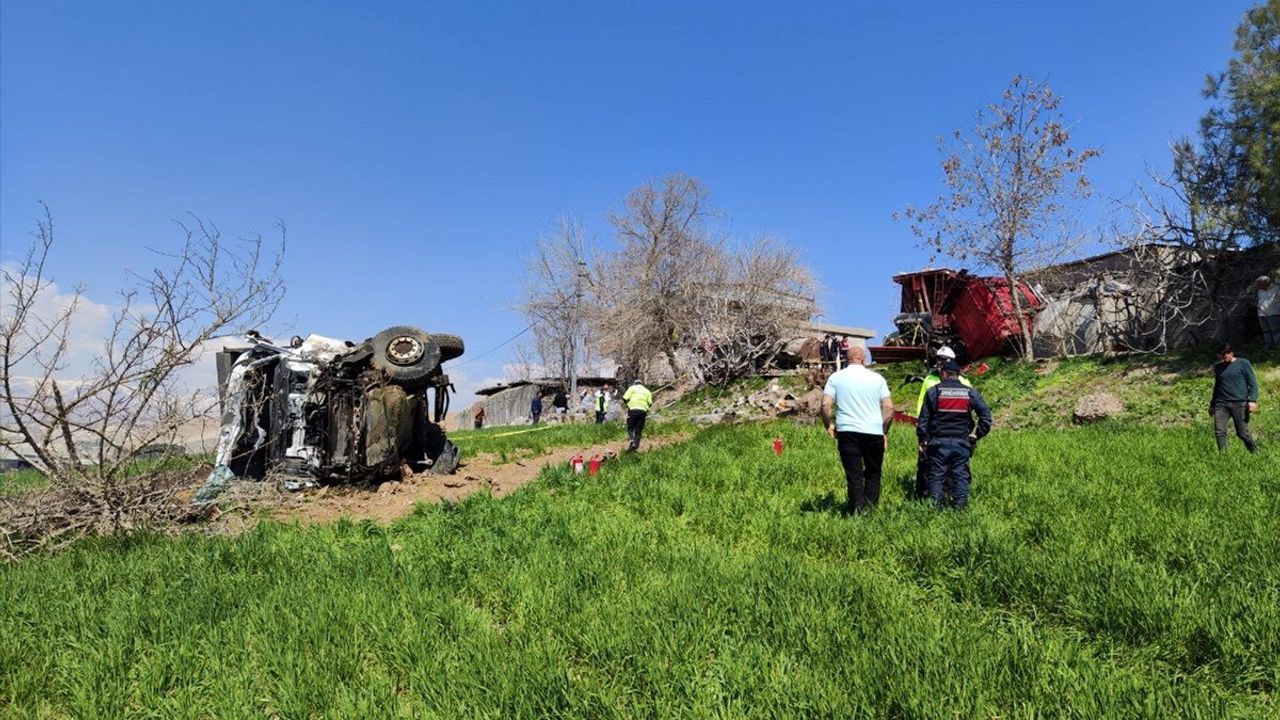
(450, 346)
(406, 354)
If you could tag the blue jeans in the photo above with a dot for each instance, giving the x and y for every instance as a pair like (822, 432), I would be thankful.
(949, 470)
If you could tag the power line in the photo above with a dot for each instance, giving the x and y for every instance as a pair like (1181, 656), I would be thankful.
(493, 349)
(509, 340)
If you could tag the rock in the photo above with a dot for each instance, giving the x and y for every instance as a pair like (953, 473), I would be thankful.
(811, 402)
(390, 487)
(1095, 407)
(785, 407)
(707, 419)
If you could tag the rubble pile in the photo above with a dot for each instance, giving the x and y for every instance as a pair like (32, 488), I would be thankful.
(773, 401)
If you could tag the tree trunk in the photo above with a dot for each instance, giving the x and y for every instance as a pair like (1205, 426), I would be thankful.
(1028, 351)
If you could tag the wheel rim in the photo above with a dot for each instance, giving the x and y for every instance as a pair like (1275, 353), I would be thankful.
(404, 350)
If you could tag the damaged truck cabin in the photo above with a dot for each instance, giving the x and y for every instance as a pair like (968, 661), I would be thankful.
(334, 411)
(973, 315)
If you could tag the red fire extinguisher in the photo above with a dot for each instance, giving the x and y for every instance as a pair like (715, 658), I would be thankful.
(576, 463)
(777, 446)
(593, 466)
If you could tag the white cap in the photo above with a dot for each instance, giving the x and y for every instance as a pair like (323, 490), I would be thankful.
(946, 352)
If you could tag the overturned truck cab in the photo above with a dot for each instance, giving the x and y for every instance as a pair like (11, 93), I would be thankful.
(327, 411)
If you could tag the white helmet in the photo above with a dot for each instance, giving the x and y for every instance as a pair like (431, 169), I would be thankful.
(946, 352)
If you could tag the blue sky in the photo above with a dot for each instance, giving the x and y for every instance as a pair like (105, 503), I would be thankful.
(415, 150)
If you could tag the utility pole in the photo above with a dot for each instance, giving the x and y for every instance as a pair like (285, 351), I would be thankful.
(577, 330)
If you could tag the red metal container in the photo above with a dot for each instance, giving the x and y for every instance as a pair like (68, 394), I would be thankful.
(777, 446)
(984, 316)
(593, 465)
(576, 463)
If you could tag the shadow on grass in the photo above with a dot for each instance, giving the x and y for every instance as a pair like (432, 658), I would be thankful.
(826, 503)
(907, 483)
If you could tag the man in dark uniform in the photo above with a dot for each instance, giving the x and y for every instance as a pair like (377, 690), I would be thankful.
(933, 377)
(947, 432)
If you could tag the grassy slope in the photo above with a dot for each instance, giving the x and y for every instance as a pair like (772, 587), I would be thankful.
(1157, 391)
(1112, 571)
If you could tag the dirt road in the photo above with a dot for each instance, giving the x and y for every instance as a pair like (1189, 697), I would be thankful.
(392, 500)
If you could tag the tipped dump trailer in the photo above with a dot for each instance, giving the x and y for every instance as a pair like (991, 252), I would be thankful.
(973, 315)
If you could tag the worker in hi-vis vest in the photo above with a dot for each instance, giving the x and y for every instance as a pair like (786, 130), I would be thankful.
(638, 399)
(601, 405)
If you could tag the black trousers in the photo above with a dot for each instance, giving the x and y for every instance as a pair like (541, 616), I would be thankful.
(862, 456)
(599, 417)
(1238, 414)
(635, 427)
(922, 476)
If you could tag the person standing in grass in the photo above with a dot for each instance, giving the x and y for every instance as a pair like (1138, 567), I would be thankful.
(638, 400)
(947, 432)
(933, 378)
(535, 408)
(601, 405)
(857, 410)
(1235, 397)
(1268, 312)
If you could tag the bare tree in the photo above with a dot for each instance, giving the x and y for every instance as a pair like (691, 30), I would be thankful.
(1192, 217)
(86, 430)
(1009, 183)
(553, 300)
(647, 291)
(756, 294)
(670, 291)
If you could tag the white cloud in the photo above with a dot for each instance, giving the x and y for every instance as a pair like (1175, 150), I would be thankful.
(90, 322)
(87, 339)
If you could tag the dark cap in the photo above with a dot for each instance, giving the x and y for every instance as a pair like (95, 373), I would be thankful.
(1224, 348)
(951, 366)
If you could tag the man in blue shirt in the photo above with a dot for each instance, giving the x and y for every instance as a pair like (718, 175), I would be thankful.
(857, 410)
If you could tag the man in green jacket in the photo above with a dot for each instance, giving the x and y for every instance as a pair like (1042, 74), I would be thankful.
(933, 378)
(1235, 397)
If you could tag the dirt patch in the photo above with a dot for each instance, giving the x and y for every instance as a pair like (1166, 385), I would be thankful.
(395, 499)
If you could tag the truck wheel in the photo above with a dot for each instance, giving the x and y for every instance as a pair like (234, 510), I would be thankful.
(406, 354)
(450, 346)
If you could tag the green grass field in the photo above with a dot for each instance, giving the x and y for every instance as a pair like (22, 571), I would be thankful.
(1113, 571)
(520, 441)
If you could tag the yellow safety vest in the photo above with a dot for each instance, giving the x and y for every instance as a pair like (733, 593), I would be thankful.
(929, 381)
(638, 397)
